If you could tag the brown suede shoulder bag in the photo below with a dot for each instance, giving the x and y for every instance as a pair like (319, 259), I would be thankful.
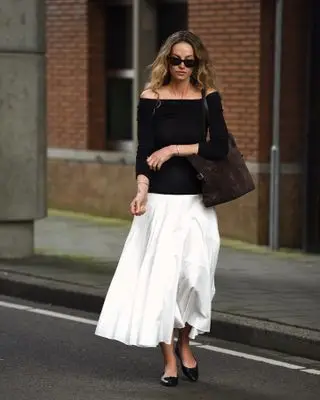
(222, 180)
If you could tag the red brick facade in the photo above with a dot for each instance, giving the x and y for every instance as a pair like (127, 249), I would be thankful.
(67, 73)
(76, 68)
(230, 29)
(75, 79)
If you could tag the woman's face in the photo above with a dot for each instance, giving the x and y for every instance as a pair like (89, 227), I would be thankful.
(181, 61)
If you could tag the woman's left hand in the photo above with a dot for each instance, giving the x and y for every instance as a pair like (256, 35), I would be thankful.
(159, 157)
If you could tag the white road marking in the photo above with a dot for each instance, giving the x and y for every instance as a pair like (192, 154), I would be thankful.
(48, 313)
(63, 316)
(251, 357)
(12, 305)
(215, 349)
(193, 343)
(311, 371)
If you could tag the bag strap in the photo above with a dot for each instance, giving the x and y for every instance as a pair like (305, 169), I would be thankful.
(205, 110)
(205, 107)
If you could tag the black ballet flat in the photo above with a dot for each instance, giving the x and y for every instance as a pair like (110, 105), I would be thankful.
(169, 381)
(191, 373)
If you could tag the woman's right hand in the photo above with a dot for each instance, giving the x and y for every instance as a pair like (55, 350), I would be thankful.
(138, 205)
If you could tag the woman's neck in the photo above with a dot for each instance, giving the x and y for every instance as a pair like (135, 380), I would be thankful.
(180, 89)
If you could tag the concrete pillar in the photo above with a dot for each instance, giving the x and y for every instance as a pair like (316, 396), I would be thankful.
(144, 46)
(22, 124)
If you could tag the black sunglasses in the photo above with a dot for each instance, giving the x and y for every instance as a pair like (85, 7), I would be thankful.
(188, 62)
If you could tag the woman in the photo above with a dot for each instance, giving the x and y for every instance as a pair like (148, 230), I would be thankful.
(165, 276)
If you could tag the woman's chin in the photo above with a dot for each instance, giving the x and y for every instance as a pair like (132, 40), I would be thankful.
(181, 77)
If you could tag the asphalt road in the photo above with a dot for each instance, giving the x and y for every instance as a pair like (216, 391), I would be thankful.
(49, 357)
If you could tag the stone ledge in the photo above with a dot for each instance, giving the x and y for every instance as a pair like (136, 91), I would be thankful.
(87, 156)
(128, 158)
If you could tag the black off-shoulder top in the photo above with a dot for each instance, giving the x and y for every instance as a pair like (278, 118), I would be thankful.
(165, 122)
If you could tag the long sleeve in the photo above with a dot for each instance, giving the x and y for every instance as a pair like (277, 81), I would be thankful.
(145, 137)
(218, 145)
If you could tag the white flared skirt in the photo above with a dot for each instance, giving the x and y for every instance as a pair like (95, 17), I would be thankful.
(165, 275)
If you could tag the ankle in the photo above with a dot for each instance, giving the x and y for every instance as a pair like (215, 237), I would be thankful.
(170, 369)
(170, 362)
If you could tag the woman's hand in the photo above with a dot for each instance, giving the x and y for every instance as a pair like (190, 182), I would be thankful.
(138, 205)
(159, 157)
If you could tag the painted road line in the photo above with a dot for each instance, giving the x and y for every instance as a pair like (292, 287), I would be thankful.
(311, 371)
(215, 349)
(13, 305)
(251, 357)
(47, 313)
(62, 316)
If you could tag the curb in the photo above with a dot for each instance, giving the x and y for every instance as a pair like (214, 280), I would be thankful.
(250, 331)
(295, 341)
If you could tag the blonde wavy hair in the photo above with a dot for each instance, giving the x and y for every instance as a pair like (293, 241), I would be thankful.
(203, 75)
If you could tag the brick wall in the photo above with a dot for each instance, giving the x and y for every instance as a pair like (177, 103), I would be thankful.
(231, 31)
(240, 38)
(67, 73)
(75, 74)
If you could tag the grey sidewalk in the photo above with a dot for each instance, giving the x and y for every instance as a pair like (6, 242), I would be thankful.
(262, 299)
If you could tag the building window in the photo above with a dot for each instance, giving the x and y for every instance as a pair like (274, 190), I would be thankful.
(119, 66)
(119, 36)
(119, 100)
(172, 16)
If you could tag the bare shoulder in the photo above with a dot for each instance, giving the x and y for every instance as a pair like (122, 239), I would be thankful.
(148, 94)
(210, 91)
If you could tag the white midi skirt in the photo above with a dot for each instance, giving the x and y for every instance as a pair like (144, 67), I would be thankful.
(165, 275)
